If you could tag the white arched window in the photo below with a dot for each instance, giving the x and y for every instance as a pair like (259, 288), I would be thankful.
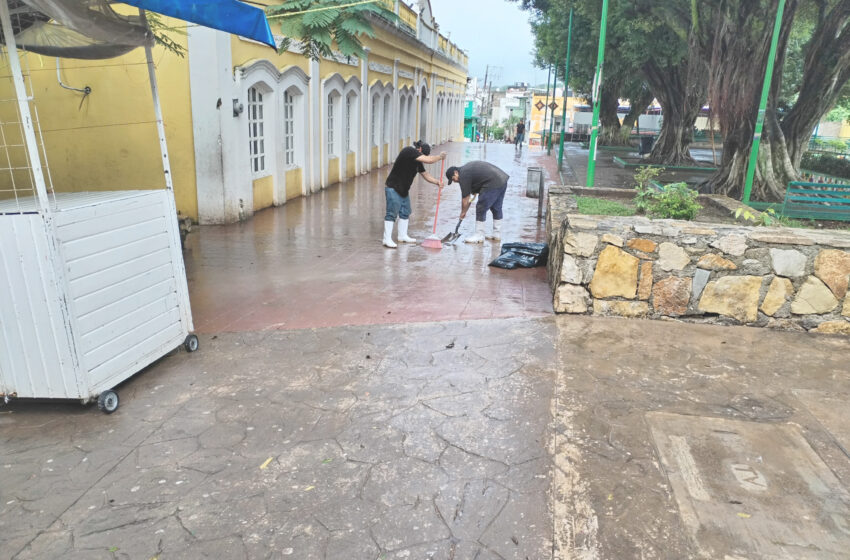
(375, 131)
(350, 104)
(388, 119)
(256, 130)
(289, 129)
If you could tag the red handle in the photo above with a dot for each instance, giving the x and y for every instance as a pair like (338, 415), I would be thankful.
(439, 192)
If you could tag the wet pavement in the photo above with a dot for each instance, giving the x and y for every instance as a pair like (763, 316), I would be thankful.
(530, 437)
(318, 260)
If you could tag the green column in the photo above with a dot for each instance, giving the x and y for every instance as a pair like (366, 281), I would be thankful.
(566, 87)
(597, 91)
(546, 109)
(765, 91)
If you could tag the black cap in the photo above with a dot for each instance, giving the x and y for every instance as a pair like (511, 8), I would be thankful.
(450, 173)
(424, 146)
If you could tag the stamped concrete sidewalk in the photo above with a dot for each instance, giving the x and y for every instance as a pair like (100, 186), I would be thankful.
(478, 426)
(494, 439)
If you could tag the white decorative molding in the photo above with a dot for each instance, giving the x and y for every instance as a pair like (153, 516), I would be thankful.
(405, 74)
(439, 83)
(381, 68)
(342, 59)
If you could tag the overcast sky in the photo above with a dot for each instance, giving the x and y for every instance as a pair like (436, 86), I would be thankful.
(494, 32)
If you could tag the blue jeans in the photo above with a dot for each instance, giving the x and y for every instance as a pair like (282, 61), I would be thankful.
(519, 138)
(397, 207)
(490, 199)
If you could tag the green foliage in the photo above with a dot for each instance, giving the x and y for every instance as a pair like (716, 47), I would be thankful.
(830, 144)
(319, 25)
(675, 201)
(827, 164)
(767, 218)
(498, 132)
(161, 33)
(602, 207)
(643, 186)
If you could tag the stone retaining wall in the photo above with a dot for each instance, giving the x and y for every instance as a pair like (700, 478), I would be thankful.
(784, 278)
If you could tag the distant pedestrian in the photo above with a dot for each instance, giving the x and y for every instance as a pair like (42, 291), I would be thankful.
(520, 134)
(490, 184)
(407, 164)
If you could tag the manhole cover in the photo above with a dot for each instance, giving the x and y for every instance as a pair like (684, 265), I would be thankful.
(752, 490)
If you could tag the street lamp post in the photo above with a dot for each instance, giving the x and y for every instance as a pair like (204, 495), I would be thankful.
(566, 88)
(765, 91)
(597, 90)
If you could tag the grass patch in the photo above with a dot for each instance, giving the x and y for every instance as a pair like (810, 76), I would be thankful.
(602, 207)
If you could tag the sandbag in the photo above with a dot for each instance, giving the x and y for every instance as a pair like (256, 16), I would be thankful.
(522, 255)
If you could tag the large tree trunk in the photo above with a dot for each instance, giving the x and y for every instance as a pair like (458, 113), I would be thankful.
(636, 109)
(738, 58)
(609, 135)
(827, 69)
(681, 90)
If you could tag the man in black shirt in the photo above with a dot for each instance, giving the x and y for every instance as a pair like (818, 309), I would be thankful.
(407, 164)
(490, 184)
(520, 134)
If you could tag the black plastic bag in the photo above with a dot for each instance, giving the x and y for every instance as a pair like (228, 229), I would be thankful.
(522, 255)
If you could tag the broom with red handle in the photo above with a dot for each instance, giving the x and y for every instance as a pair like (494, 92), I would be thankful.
(433, 241)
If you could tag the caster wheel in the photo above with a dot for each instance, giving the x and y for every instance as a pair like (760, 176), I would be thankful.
(191, 343)
(107, 401)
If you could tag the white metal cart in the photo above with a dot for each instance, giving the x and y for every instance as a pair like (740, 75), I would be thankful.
(92, 284)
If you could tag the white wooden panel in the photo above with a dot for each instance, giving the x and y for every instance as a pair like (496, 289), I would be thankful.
(110, 360)
(112, 239)
(89, 284)
(93, 342)
(116, 257)
(89, 206)
(133, 360)
(87, 304)
(114, 222)
(35, 354)
(127, 304)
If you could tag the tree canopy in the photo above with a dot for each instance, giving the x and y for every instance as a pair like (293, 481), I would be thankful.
(318, 25)
(688, 53)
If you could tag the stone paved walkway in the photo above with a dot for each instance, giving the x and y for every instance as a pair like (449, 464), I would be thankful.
(530, 437)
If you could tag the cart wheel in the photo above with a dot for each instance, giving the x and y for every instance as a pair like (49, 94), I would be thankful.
(191, 343)
(107, 401)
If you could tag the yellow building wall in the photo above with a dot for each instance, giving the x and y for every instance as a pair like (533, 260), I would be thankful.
(108, 140)
(263, 192)
(538, 115)
(333, 171)
(350, 164)
(374, 156)
(244, 51)
(293, 183)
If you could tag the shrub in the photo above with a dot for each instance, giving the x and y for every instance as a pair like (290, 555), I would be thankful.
(675, 201)
(643, 186)
(826, 163)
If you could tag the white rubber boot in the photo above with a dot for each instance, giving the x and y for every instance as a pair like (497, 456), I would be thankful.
(402, 232)
(388, 235)
(497, 231)
(478, 236)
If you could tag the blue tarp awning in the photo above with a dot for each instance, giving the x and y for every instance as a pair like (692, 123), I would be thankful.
(225, 15)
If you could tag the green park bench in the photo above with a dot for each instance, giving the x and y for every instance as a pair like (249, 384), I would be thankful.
(817, 201)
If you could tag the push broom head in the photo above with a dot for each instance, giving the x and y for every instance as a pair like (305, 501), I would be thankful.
(433, 242)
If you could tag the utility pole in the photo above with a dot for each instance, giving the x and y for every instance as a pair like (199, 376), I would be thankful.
(566, 88)
(765, 90)
(597, 90)
(484, 101)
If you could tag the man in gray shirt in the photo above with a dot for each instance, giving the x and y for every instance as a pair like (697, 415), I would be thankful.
(490, 184)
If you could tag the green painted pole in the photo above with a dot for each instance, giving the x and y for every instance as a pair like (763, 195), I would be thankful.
(566, 87)
(765, 91)
(552, 115)
(597, 90)
(546, 109)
